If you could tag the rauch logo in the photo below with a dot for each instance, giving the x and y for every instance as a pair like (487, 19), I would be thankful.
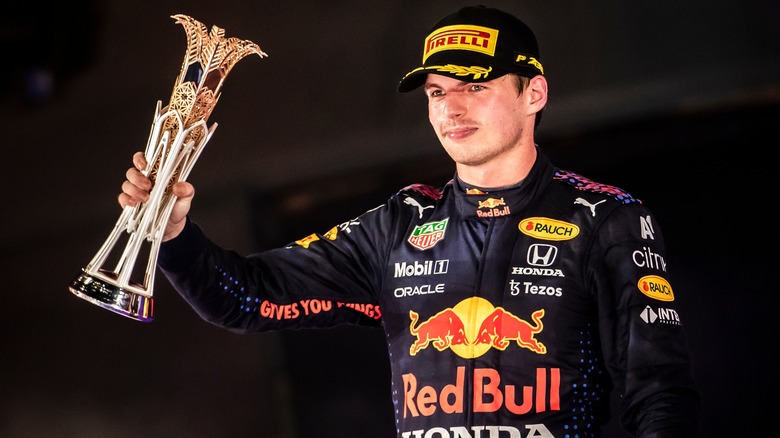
(548, 229)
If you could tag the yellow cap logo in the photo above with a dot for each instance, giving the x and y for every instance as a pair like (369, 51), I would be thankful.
(548, 229)
(461, 37)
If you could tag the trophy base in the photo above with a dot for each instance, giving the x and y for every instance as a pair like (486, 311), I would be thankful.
(112, 297)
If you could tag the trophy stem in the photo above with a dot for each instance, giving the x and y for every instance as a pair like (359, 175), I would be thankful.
(168, 161)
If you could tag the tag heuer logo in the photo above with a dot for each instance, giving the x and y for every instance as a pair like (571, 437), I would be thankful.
(428, 234)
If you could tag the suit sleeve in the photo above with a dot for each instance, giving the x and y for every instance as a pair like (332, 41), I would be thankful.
(641, 329)
(321, 280)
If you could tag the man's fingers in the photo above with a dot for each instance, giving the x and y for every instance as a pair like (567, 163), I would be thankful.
(133, 191)
(124, 200)
(138, 179)
(139, 161)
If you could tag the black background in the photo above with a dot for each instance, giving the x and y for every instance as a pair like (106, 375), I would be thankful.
(675, 102)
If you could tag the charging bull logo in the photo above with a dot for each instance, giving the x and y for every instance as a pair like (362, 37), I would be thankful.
(501, 327)
(491, 203)
(486, 327)
(443, 329)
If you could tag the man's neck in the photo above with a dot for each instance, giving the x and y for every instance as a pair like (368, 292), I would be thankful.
(500, 172)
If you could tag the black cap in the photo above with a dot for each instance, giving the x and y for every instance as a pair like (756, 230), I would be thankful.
(477, 44)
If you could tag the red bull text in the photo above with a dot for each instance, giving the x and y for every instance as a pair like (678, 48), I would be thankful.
(489, 394)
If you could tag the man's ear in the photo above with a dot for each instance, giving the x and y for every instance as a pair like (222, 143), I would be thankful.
(537, 92)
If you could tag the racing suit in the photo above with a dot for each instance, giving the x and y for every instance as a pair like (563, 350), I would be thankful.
(508, 313)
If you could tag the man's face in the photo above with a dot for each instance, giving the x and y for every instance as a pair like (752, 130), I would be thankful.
(476, 122)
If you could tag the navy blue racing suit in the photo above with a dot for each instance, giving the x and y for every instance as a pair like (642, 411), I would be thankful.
(509, 313)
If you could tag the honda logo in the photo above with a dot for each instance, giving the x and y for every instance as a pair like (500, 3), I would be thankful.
(541, 254)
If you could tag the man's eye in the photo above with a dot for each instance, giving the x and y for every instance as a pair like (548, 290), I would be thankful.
(477, 87)
(435, 93)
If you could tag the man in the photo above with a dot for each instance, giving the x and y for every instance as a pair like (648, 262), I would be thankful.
(513, 298)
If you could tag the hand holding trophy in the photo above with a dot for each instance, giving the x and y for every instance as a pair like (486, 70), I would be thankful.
(178, 136)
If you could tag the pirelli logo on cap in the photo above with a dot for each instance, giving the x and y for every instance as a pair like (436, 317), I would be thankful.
(461, 37)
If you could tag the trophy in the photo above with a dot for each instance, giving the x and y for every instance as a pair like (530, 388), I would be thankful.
(178, 136)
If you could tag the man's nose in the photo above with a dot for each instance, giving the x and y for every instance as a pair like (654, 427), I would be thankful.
(455, 105)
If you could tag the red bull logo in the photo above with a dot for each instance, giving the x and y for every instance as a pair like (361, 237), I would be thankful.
(443, 329)
(492, 205)
(488, 393)
(485, 327)
(501, 327)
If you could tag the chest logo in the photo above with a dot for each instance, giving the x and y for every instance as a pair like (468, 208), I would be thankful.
(428, 234)
(548, 229)
(492, 207)
(473, 327)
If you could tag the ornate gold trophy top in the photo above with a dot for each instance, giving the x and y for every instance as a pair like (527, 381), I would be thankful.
(208, 60)
(178, 135)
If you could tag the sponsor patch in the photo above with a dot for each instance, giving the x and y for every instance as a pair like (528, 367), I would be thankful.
(427, 267)
(495, 207)
(461, 37)
(548, 229)
(332, 233)
(660, 315)
(474, 326)
(656, 288)
(306, 241)
(428, 234)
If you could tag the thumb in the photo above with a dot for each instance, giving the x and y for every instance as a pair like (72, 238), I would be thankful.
(184, 193)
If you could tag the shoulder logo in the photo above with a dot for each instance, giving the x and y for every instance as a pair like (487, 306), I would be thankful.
(428, 234)
(646, 226)
(413, 202)
(656, 288)
(548, 229)
(306, 241)
(592, 207)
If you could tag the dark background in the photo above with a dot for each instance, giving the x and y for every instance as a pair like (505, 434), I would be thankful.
(676, 102)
